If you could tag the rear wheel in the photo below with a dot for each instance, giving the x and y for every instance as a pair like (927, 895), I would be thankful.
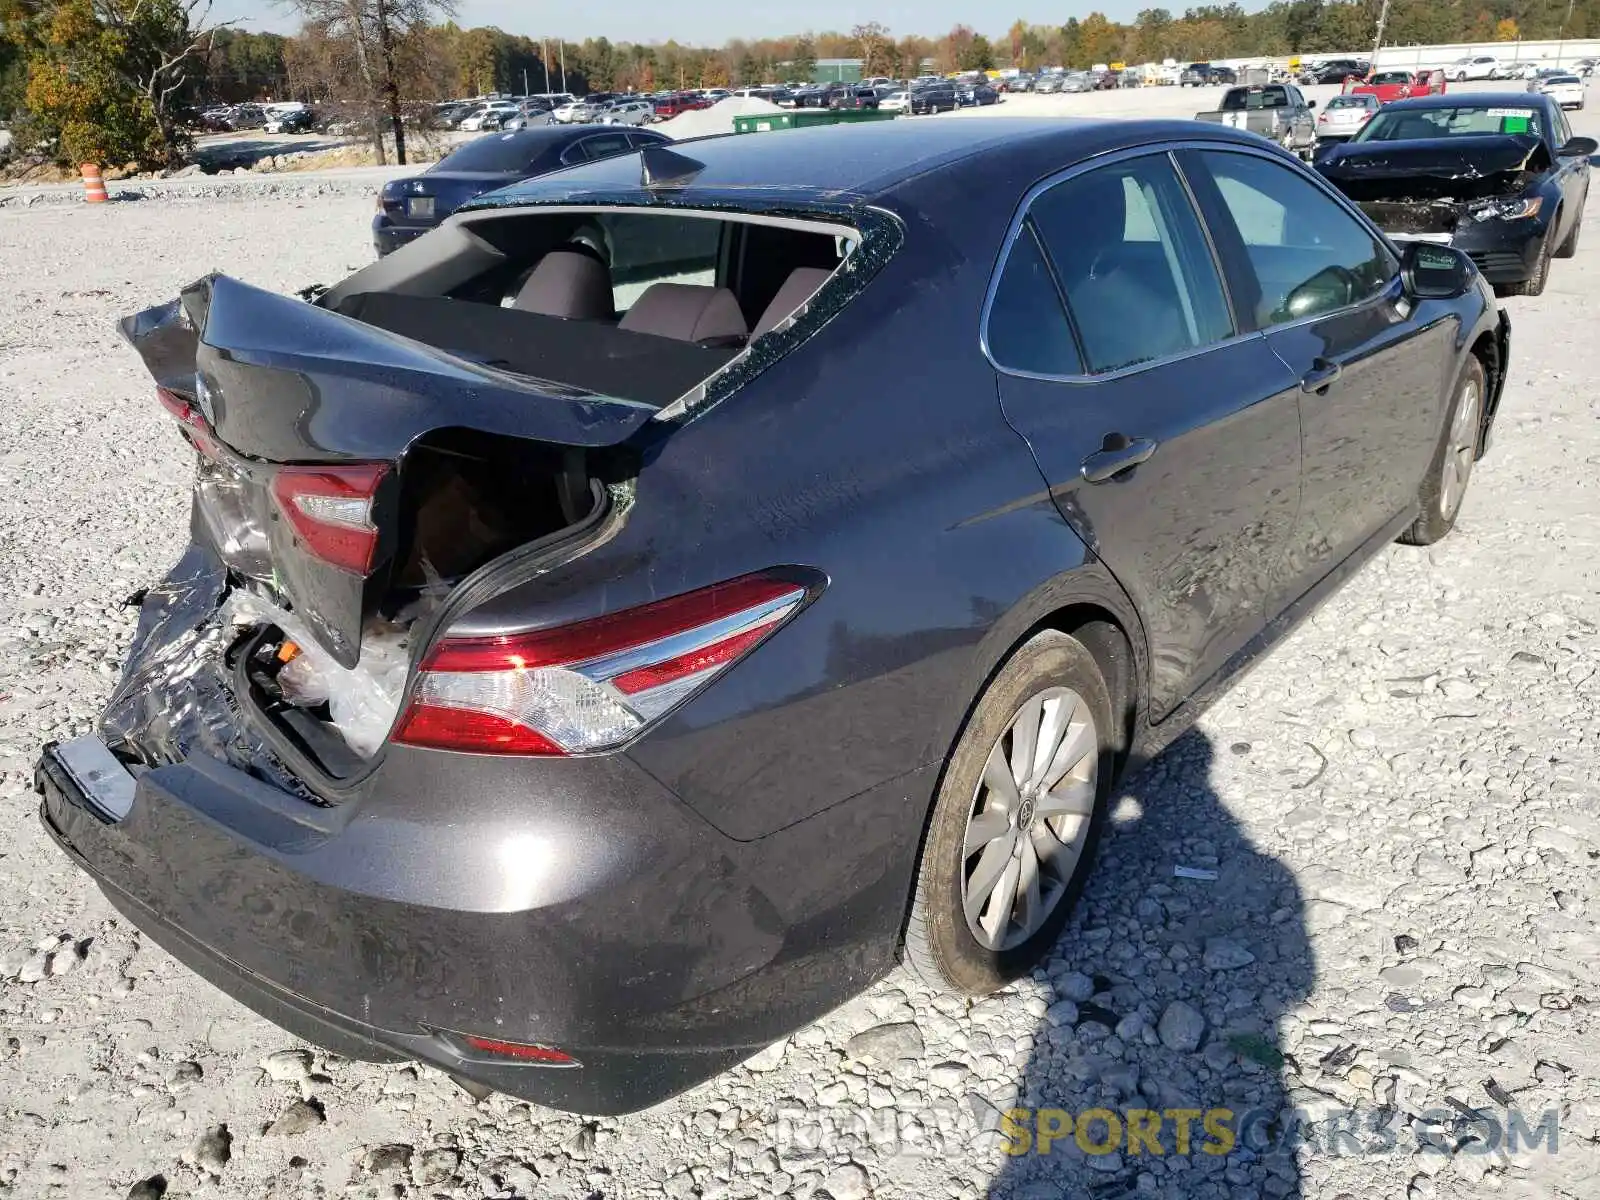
(1013, 829)
(1445, 486)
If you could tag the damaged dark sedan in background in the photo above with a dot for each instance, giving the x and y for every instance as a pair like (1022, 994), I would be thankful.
(621, 624)
(1500, 177)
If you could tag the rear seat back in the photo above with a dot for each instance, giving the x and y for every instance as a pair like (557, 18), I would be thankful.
(801, 285)
(687, 312)
(570, 284)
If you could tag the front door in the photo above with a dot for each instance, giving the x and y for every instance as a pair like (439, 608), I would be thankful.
(1170, 444)
(1328, 294)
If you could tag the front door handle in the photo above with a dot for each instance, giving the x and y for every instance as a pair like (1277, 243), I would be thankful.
(1118, 455)
(1324, 371)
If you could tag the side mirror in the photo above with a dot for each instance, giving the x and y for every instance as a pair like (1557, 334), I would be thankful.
(1578, 147)
(1311, 103)
(1433, 272)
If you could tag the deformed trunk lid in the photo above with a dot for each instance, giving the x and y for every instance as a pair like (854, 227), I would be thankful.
(279, 381)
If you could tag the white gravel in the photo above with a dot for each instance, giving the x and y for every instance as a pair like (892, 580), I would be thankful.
(1399, 807)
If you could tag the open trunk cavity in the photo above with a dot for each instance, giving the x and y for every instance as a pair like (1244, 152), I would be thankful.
(471, 396)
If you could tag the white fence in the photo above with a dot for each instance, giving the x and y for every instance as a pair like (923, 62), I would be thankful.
(1545, 54)
(1414, 58)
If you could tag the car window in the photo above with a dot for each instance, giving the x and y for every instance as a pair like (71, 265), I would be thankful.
(1460, 120)
(658, 249)
(493, 152)
(1134, 263)
(1307, 254)
(1028, 328)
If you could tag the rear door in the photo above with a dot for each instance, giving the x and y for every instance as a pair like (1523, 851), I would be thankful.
(1169, 443)
(1327, 292)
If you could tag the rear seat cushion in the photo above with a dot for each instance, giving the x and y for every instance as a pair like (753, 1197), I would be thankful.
(568, 283)
(801, 285)
(687, 312)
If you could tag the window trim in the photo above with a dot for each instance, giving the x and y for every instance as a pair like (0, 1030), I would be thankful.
(1170, 148)
(1019, 218)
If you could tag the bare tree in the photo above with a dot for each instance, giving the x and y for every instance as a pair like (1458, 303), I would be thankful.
(373, 31)
(166, 41)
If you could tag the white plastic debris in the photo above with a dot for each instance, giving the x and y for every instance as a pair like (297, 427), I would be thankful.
(362, 700)
(1203, 873)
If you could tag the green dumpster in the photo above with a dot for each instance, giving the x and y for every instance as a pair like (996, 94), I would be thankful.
(800, 118)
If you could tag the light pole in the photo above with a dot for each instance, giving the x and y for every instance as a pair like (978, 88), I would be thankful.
(1377, 42)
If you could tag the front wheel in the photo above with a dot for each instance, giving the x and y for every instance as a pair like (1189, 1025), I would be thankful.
(1533, 285)
(1569, 247)
(1445, 485)
(1014, 825)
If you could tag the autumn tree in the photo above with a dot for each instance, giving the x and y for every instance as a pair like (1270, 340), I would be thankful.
(874, 48)
(1506, 30)
(102, 76)
(803, 59)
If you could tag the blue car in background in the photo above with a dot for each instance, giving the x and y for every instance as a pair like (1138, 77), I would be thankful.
(408, 208)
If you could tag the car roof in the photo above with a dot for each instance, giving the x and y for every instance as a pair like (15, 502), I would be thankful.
(871, 160)
(1473, 100)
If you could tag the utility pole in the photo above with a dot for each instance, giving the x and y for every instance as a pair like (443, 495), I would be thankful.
(563, 64)
(544, 57)
(1377, 42)
(524, 81)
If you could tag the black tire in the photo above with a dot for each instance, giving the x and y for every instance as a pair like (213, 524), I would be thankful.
(1533, 285)
(1434, 523)
(1569, 247)
(939, 946)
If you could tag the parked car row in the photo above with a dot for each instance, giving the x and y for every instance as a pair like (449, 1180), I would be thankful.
(1489, 66)
(284, 117)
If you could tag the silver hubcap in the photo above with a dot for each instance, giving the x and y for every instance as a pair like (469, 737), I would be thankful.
(1459, 452)
(1030, 818)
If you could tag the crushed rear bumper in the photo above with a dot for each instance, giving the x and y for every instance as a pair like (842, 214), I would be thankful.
(572, 903)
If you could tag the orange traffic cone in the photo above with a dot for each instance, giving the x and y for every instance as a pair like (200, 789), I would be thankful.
(94, 187)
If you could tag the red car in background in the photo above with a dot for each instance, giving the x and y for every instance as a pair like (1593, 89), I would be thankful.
(1397, 85)
(683, 102)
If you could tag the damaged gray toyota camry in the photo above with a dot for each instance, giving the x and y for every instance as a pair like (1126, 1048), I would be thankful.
(622, 624)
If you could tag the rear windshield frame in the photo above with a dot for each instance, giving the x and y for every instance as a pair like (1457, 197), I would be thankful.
(875, 235)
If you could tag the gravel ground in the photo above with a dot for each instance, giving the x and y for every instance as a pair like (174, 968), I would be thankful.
(1397, 807)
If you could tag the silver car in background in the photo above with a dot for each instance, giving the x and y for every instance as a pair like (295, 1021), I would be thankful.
(1344, 116)
(627, 112)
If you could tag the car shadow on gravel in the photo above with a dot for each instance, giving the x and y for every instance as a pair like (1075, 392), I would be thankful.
(1158, 1069)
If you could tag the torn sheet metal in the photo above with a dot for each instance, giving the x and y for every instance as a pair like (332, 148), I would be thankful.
(175, 698)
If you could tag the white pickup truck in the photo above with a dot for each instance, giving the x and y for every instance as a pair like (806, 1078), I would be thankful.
(1277, 111)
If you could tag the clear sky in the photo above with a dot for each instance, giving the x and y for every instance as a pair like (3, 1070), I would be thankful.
(712, 22)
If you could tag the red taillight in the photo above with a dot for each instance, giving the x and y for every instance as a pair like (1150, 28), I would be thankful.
(589, 687)
(523, 1051)
(190, 418)
(331, 509)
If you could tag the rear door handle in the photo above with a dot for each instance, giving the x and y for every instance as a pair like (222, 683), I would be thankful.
(1121, 454)
(1323, 372)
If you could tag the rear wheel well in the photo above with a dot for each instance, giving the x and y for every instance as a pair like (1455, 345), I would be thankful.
(1103, 636)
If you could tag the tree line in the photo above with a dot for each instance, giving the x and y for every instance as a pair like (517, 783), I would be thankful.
(109, 80)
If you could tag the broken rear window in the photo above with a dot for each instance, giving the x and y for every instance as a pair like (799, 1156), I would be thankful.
(633, 304)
